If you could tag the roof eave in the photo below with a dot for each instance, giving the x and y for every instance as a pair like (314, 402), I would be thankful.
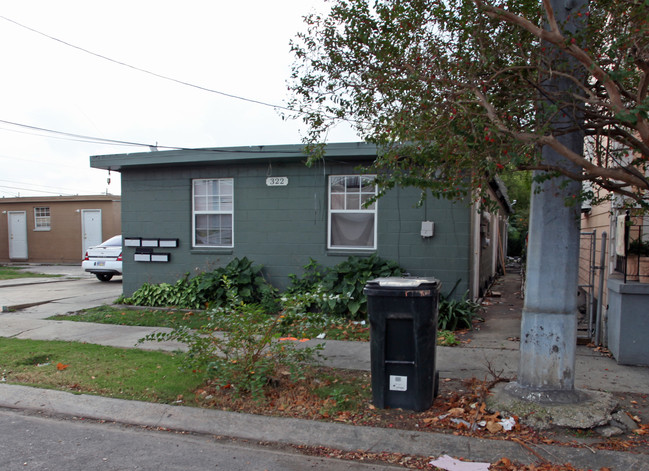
(229, 155)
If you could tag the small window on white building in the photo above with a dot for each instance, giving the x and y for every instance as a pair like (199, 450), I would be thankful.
(213, 207)
(352, 222)
(42, 219)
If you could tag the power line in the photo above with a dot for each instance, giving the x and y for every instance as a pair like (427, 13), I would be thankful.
(37, 187)
(31, 187)
(171, 79)
(34, 185)
(101, 140)
(98, 140)
(91, 139)
(23, 159)
(37, 190)
(139, 69)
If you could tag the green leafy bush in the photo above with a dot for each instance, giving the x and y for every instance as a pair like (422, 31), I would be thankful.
(639, 247)
(207, 289)
(246, 280)
(344, 283)
(183, 294)
(455, 314)
(241, 348)
(312, 276)
(298, 312)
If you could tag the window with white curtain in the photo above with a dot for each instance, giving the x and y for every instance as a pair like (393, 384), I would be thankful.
(352, 221)
(213, 212)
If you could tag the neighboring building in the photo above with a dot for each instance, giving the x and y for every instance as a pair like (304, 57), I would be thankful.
(619, 310)
(190, 211)
(56, 229)
(595, 221)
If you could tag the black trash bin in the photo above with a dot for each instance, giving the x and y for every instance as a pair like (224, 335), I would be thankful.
(403, 334)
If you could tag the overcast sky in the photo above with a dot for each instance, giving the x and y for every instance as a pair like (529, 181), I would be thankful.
(239, 48)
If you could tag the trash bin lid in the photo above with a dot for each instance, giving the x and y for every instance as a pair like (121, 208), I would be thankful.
(403, 282)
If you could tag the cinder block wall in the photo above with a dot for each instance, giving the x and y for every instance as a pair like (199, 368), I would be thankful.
(283, 227)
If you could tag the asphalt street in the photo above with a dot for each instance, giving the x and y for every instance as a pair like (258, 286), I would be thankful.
(38, 442)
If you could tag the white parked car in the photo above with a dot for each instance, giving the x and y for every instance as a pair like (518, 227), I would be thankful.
(105, 259)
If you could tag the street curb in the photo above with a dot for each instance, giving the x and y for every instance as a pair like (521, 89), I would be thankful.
(18, 307)
(34, 281)
(304, 432)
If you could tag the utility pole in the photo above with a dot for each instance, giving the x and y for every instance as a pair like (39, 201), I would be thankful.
(549, 322)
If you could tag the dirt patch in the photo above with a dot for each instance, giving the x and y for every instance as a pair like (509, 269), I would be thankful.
(345, 396)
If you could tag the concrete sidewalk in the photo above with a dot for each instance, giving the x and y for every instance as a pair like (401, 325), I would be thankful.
(492, 348)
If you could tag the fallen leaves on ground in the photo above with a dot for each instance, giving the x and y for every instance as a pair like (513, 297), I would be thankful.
(401, 459)
(642, 430)
(505, 464)
(459, 409)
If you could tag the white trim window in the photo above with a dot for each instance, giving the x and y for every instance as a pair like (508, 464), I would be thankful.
(352, 222)
(213, 212)
(42, 219)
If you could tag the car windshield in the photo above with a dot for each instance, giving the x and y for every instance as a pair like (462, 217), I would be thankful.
(115, 241)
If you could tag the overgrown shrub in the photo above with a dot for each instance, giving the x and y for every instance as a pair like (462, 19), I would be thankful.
(183, 294)
(246, 280)
(334, 291)
(241, 348)
(456, 314)
(344, 282)
(207, 289)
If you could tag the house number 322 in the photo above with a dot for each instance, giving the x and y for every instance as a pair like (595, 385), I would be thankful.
(277, 181)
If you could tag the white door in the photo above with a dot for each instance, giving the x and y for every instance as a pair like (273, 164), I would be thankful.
(17, 235)
(90, 228)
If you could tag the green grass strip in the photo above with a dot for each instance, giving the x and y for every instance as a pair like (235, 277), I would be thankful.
(95, 369)
(9, 273)
(142, 317)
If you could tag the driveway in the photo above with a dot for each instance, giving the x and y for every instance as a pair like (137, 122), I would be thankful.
(43, 297)
(28, 302)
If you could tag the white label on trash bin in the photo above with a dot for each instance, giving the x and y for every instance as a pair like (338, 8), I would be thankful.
(398, 383)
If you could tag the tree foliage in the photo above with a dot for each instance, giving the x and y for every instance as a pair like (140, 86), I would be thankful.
(450, 90)
(519, 188)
